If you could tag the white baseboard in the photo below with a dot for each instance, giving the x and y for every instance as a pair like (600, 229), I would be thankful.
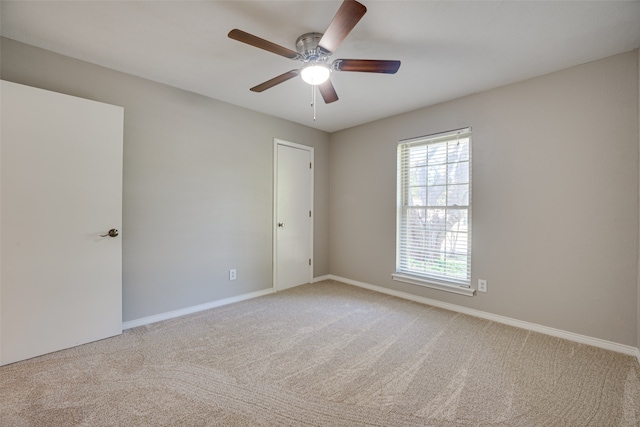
(583, 339)
(321, 278)
(193, 309)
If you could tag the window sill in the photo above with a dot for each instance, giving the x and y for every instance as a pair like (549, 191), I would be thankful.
(462, 290)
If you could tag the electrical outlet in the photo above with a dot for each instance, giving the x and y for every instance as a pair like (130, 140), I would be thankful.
(482, 285)
(232, 274)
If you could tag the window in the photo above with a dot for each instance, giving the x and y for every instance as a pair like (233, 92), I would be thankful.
(434, 211)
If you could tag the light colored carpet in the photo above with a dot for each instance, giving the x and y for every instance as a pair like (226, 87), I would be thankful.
(321, 355)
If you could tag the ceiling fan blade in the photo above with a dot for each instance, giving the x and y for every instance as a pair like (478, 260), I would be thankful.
(328, 92)
(367, 65)
(275, 81)
(346, 18)
(255, 41)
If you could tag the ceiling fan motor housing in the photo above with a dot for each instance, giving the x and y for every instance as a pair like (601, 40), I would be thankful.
(307, 47)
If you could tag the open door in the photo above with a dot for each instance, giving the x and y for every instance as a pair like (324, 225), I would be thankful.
(61, 194)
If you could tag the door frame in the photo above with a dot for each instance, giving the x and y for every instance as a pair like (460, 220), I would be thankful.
(277, 142)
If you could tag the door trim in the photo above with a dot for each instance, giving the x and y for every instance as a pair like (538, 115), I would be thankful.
(274, 239)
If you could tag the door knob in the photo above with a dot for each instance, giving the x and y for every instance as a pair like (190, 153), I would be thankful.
(281, 224)
(112, 233)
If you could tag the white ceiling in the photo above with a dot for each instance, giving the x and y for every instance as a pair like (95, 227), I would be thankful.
(448, 49)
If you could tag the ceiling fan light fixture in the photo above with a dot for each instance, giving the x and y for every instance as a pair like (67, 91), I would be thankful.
(315, 74)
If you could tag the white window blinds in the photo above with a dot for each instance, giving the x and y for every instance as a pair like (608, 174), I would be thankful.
(434, 208)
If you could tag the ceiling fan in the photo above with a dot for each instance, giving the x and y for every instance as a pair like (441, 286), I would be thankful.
(314, 50)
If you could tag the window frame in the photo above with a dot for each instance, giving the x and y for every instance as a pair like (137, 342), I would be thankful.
(403, 273)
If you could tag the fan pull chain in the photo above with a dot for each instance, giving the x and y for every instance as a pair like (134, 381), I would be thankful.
(313, 101)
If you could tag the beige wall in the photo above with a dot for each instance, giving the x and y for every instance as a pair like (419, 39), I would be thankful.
(197, 183)
(555, 198)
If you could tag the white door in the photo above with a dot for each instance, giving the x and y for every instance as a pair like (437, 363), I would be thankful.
(61, 189)
(293, 215)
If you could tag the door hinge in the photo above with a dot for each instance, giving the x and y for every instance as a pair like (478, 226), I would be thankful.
(309, 165)
(309, 214)
(309, 261)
